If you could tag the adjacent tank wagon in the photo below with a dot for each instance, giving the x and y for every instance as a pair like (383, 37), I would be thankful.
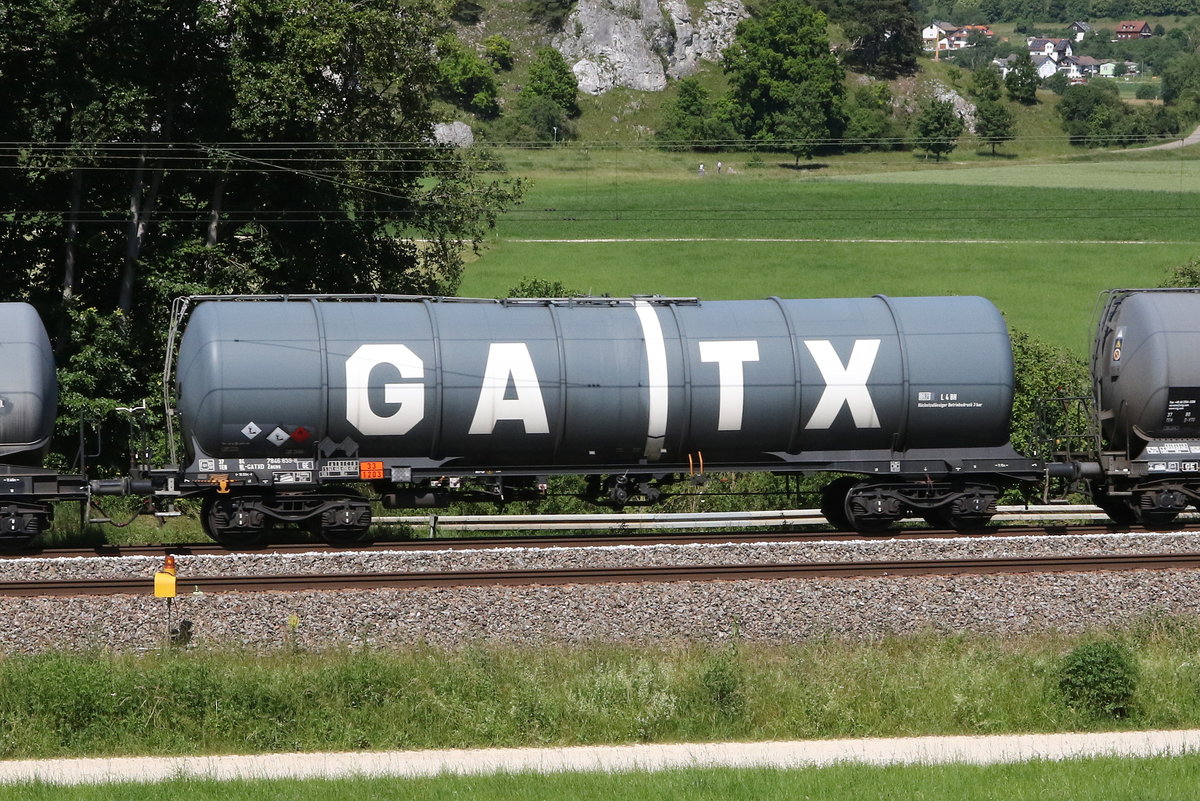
(28, 405)
(286, 402)
(1145, 463)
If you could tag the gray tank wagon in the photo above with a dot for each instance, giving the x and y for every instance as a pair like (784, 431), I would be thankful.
(28, 404)
(285, 402)
(1144, 465)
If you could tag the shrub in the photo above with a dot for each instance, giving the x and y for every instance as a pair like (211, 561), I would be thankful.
(1099, 679)
(1147, 91)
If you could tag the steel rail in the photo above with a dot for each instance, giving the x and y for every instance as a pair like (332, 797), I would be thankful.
(609, 575)
(616, 538)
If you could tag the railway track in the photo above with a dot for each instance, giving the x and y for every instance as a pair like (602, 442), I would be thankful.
(562, 541)
(610, 575)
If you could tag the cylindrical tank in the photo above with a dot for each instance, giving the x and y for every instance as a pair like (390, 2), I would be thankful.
(1146, 366)
(593, 381)
(28, 390)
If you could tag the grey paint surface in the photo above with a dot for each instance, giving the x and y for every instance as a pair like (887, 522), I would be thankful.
(620, 381)
(28, 388)
(1147, 366)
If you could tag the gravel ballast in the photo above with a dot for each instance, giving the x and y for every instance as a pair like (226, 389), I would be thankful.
(755, 610)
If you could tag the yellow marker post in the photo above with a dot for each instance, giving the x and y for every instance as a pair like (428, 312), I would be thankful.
(164, 587)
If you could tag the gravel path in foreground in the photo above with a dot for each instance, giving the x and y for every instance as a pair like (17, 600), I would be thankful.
(882, 751)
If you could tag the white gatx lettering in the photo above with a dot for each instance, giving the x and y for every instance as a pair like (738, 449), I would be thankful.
(409, 397)
(510, 361)
(730, 356)
(844, 384)
(657, 383)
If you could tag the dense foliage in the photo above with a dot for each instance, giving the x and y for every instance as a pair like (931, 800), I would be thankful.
(551, 77)
(691, 120)
(1099, 678)
(966, 12)
(1094, 115)
(235, 146)
(785, 85)
(884, 37)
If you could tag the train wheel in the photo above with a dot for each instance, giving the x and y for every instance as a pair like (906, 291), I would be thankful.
(871, 510)
(833, 502)
(946, 517)
(1158, 509)
(233, 523)
(970, 511)
(345, 521)
(1118, 508)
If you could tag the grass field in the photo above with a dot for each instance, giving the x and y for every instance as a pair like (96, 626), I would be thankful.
(1040, 238)
(1162, 779)
(57, 705)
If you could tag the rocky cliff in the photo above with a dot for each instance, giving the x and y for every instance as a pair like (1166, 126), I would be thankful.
(639, 43)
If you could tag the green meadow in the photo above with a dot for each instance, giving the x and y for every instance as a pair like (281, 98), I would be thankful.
(1040, 239)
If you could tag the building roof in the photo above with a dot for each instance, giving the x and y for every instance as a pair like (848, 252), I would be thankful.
(1080, 26)
(1132, 26)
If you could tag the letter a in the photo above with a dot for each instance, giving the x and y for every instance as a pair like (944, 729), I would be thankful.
(510, 361)
(844, 385)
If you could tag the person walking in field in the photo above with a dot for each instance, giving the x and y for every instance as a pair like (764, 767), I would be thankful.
(702, 169)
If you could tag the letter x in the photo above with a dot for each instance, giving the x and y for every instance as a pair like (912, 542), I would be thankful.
(844, 384)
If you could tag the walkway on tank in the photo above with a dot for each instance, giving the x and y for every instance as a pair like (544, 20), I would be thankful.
(813, 753)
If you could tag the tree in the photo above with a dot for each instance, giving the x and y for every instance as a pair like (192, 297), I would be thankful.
(1057, 83)
(986, 84)
(1090, 111)
(691, 121)
(533, 119)
(937, 128)
(467, 80)
(776, 62)
(994, 123)
(550, 77)
(869, 120)
(325, 178)
(1022, 80)
(498, 51)
(885, 40)
(1181, 85)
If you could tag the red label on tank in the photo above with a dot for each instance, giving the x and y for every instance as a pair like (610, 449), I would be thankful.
(301, 434)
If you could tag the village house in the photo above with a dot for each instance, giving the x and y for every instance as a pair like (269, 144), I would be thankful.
(1079, 30)
(1134, 29)
(942, 35)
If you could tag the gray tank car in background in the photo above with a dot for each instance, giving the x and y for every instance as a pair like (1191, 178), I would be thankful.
(284, 402)
(28, 405)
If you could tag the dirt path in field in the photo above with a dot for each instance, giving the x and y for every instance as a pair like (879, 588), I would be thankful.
(813, 753)
(1190, 139)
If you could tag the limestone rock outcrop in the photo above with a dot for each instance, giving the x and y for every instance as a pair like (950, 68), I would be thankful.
(639, 43)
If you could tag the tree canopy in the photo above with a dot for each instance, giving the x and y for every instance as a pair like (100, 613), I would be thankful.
(785, 86)
(937, 127)
(195, 146)
(885, 40)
